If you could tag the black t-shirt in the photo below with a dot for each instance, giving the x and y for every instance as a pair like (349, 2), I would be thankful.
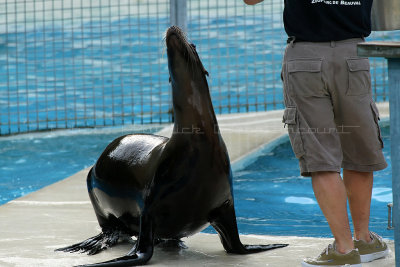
(322, 20)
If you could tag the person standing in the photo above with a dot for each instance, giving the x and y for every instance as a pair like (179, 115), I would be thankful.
(332, 120)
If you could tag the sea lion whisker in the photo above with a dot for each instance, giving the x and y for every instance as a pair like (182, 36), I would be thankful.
(163, 51)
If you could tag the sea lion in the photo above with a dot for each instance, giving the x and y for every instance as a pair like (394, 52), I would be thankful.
(159, 188)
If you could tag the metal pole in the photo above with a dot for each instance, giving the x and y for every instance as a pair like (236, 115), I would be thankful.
(178, 13)
(394, 99)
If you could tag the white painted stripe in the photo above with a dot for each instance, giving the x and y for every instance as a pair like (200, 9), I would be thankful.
(48, 203)
(224, 117)
(259, 131)
(261, 122)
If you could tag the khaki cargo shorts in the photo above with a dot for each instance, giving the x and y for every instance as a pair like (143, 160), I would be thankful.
(330, 115)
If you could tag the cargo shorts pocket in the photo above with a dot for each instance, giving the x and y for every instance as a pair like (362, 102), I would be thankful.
(375, 113)
(290, 118)
(305, 77)
(359, 77)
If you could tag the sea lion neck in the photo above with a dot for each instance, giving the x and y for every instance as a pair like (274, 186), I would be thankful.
(193, 109)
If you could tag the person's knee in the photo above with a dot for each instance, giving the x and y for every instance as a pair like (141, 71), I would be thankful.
(324, 175)
(357, 173)
(326, 180)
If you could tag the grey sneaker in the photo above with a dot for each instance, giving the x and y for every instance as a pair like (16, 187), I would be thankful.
(330, 257)
(373, 250)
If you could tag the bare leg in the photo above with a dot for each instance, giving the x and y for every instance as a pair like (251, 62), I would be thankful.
(359, 191)
(330, 193)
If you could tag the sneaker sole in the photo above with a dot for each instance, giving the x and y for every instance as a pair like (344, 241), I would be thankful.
(374, 256)
(303, 264)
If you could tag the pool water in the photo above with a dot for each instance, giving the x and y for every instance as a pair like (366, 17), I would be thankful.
(115, 72)
(30, 162)
(270, 196)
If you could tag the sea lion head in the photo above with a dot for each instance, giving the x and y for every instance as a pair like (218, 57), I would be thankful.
(184, 63)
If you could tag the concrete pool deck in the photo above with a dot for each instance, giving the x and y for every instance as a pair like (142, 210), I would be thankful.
(32, 226)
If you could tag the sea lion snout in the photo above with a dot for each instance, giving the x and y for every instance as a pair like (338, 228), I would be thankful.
(175, 39)
(173, 42)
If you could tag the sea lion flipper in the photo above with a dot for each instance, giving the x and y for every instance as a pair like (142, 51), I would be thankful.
(140, 253)
(223, 219)
(95, 244)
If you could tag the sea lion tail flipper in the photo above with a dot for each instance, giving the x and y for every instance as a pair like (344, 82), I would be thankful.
(140, 254)
(96, 243)
(223, 219)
